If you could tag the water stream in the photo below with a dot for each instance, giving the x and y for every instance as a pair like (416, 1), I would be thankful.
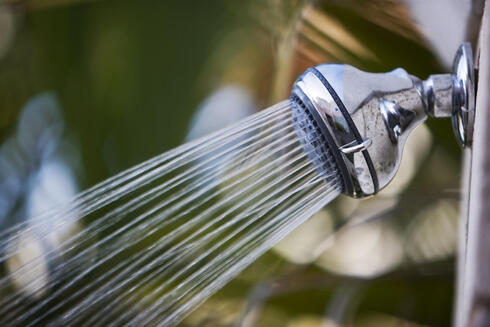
(160, 238)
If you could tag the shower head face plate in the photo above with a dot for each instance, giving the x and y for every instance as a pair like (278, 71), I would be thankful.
(325, 158)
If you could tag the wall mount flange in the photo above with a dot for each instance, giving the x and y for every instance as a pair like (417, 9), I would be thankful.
(463, 115)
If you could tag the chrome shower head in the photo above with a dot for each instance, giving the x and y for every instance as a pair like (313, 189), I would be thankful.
(365, 118)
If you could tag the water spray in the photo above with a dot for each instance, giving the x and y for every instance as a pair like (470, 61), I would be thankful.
(163, 236)
(364, 119)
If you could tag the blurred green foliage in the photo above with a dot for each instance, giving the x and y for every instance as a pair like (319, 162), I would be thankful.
(126, 73)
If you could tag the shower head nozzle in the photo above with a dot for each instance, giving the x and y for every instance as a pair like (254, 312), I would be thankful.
(365, 118)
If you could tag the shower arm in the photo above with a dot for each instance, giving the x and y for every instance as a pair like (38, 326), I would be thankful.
(365, 118)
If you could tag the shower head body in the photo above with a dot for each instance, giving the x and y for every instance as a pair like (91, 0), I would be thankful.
(366, 117)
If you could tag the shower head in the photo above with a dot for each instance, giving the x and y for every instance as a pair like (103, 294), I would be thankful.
(364, 119)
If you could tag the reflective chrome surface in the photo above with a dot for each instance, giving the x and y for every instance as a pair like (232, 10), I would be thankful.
(367, 98)
(396, 118)
(438, 90)
(463, 114)
(370, 115)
